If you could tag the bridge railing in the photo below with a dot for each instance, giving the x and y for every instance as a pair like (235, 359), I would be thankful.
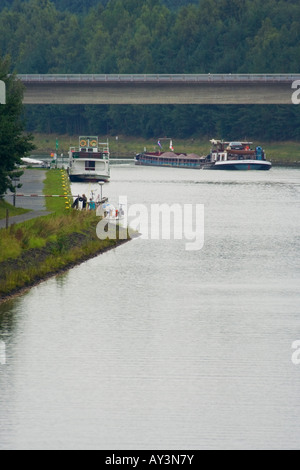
(159, 78)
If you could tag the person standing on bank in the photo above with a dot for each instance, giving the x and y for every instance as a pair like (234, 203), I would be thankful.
(84, 202)
(92, 205)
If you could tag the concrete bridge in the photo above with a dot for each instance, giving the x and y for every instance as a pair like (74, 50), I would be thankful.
(160, 89)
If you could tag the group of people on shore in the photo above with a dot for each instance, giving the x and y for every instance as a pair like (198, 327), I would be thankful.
(82, 203)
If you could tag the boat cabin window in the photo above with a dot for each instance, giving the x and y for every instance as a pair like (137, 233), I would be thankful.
(236, 146)
(90, 166)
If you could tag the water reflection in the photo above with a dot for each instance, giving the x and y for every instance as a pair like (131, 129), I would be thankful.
(2, 353)
(150, 346)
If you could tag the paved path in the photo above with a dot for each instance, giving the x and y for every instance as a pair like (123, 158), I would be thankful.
(32, 183)
(23, 218)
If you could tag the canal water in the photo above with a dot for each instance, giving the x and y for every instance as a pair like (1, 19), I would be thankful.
(151, 346)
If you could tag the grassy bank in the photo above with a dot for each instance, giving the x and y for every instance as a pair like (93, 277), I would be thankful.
(4, 206)
(282, 152)
(57, 183)
(39, 248)
(47, 246)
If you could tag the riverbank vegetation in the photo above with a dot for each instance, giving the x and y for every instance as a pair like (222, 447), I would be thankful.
(36, 249)
(156, 36)
(57, 183)
(5, 206)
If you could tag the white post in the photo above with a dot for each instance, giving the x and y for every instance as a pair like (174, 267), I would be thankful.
(101, 183)
(2, 92)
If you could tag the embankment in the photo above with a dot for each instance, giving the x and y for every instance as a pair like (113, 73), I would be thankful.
(38, 264)
(33, 251)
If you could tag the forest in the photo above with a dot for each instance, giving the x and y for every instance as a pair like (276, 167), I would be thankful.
(156, 36)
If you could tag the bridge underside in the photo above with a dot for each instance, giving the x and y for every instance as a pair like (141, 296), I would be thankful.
(147, 93)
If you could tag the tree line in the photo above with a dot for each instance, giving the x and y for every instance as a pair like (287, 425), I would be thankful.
(14, 143)
(156, 36)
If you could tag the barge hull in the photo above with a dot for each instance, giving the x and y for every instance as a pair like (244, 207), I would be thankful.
(246, 165)
(239, 166)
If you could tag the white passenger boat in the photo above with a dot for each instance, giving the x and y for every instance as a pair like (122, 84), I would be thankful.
(90, 161)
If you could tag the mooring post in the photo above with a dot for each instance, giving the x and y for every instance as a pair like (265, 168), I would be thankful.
(7, 219)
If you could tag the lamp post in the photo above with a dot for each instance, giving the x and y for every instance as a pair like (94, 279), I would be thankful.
(15, 180)
(117, 139)
(101, 183)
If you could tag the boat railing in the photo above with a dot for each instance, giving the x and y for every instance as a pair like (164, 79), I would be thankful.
(101, 154)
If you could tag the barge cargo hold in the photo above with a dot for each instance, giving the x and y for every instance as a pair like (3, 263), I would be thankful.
(170, 159)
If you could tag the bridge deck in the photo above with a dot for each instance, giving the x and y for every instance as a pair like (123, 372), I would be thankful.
(159, 89)
(162, 78)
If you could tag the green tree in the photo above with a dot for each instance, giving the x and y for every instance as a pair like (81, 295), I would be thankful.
(13, 143)
(156, 36)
